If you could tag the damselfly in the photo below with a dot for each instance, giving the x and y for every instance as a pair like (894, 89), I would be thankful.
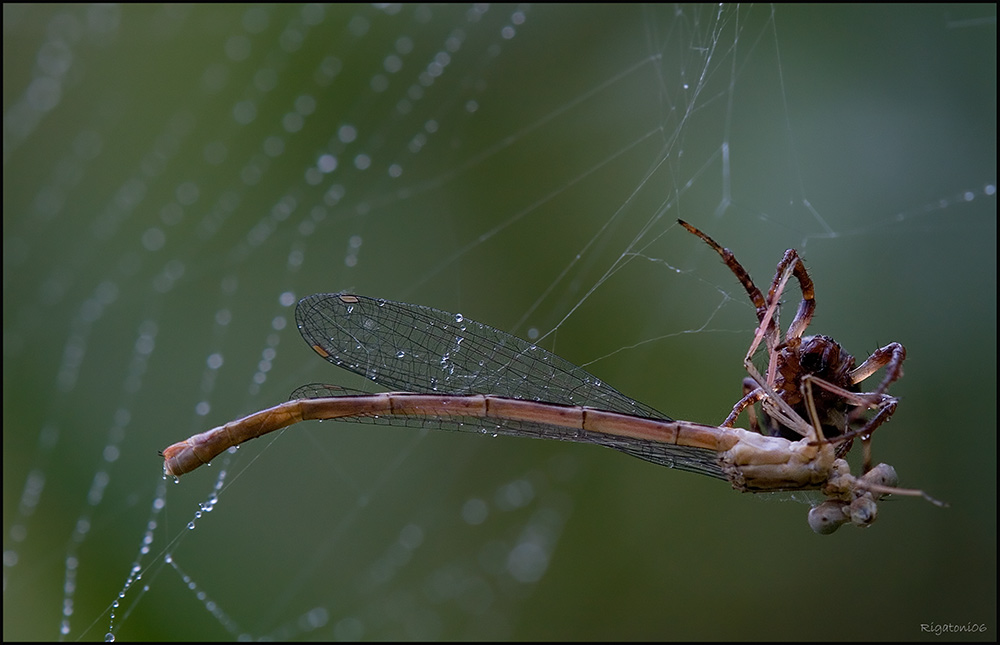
(453, 373)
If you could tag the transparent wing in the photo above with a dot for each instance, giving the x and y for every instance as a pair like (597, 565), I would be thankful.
(419, 349)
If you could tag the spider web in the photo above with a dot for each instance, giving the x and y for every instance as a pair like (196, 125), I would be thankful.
(176, 177)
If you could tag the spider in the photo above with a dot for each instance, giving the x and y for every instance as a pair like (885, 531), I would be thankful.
(807, 377)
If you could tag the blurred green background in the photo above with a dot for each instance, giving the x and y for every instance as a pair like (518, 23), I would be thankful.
(176, 176)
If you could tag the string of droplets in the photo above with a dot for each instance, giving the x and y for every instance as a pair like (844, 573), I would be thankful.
(135, 573)
(211, 605)
(142, 350)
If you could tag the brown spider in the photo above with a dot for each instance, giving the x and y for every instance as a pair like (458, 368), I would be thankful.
(808, 378)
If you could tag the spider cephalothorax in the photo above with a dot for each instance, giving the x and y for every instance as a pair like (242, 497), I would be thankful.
(819, 357)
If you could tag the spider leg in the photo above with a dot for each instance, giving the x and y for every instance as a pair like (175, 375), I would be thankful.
(885, 407)
(767, 316)
(769, 322)
(811, 407)
(756, 297)
(867, 400)
(790, 265)
(779, 409)
(808, 305)
(891, 357)
(791, 258)
(752, 393)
